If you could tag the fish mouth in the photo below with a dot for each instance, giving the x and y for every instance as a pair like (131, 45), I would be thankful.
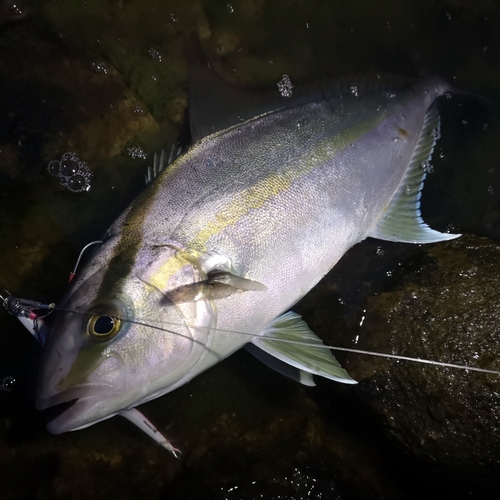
(76, 408)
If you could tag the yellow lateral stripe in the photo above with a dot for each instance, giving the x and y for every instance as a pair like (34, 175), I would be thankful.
(253, 197)
(264, 190)
(173, 265)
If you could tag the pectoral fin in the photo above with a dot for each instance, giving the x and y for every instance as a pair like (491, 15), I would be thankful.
(222, 284)
(224, 278)
(290, 340)
(235, 282)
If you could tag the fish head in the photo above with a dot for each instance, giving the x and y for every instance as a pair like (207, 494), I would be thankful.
(129, 331)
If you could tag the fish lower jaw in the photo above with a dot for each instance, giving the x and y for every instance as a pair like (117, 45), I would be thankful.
(74, 418)
(78, 407)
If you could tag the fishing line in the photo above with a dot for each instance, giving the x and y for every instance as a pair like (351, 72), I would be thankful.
(150, 324)
(333, 348)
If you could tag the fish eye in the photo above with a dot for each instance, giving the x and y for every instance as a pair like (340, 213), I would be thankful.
(102, 327)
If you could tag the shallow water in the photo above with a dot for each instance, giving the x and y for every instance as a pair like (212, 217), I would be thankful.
(107, 81)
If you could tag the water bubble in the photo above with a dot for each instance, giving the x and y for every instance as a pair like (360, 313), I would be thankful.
(68, 168)
(436, 134)
(362, 320)
(7, 383)
(136, 153)
(230, 8)
(78, 183)
(154, 54)
(408, 189)
(138, 110)
(379, 251)
(354, 90)
(99, 67)
(448, 16)
(53, 168)
(450, 228)
(285, 86)
(428, 167)
(174, 18)
(490, 190)
(73, 173)
(13, 9)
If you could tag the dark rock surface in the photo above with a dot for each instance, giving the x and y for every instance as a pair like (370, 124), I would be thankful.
(445, 308)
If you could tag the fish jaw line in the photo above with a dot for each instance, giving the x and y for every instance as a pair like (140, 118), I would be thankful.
(88, 396)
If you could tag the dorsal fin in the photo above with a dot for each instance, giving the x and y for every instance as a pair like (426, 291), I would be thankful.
(216, 105)
(160, 162)
(402, 222)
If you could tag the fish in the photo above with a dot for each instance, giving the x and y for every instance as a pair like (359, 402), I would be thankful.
(214, 253)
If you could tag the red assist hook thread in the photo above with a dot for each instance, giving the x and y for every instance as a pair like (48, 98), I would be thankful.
(72, 274)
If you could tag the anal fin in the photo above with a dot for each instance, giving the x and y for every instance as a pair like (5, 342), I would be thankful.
(289, 371)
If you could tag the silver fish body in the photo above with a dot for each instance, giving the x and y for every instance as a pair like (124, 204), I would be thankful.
(228, 238)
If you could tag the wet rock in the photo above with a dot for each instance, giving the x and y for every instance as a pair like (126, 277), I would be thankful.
(226, 42)
(53, 101)
(10, 168)
(56, 101)
(247, 432)
(105, 135)
(446, 309)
